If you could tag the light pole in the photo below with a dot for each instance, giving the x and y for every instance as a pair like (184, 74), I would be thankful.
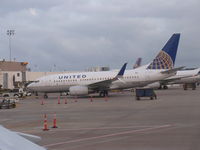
(10, 33)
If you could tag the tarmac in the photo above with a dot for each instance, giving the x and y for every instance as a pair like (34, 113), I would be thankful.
(119, 122)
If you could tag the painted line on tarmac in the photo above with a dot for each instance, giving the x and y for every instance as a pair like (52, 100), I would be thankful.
(95, 128)
(3, 120)
(105, 128)
(108, 135)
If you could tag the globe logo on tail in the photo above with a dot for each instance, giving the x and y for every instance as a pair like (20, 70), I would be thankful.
(162, 61)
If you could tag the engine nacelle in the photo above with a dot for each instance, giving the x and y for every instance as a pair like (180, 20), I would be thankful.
(78, 90)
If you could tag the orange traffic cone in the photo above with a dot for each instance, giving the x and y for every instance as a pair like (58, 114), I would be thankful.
(54, 121)
(42, 102)
(58, 99)
(106, 98)
(91, 100)
(45, 123)
(65, 100)
(75, 99)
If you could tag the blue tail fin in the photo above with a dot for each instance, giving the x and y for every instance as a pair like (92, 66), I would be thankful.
(167, 56)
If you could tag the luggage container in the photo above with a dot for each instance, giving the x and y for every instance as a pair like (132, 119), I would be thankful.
(145, 92)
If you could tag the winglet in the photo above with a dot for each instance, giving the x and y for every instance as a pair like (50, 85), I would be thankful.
(122, 70)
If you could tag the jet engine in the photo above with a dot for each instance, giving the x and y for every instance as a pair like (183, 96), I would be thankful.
(78, 90)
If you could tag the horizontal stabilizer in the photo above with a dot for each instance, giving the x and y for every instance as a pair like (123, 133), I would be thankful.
(174, 70)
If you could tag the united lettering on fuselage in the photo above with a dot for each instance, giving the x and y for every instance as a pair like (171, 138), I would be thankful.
(79, 76)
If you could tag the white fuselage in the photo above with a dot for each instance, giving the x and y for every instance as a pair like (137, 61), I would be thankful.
(186, 76)
(130, 79)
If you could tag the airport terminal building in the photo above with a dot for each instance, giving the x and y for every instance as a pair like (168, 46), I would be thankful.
(16, 74)
(12, 73)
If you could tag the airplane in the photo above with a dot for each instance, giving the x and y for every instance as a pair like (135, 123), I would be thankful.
(10, 140)
(184, 77)
(192, 79)
(84, 83)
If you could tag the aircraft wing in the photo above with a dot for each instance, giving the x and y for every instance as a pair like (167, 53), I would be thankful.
(105, 84)
(13, 141)
(174, 70)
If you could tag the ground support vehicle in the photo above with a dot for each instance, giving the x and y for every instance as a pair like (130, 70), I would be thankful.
(7, 104)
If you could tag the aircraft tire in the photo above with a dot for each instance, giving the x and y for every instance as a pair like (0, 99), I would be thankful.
(45, 96)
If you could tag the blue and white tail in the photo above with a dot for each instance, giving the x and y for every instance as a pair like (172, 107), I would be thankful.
(137, 63)
(167, 56)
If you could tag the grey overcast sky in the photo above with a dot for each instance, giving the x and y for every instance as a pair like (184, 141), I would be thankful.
(76, 34)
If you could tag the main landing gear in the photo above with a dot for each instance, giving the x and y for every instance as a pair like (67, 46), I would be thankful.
(163, 87)
(103, 93)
